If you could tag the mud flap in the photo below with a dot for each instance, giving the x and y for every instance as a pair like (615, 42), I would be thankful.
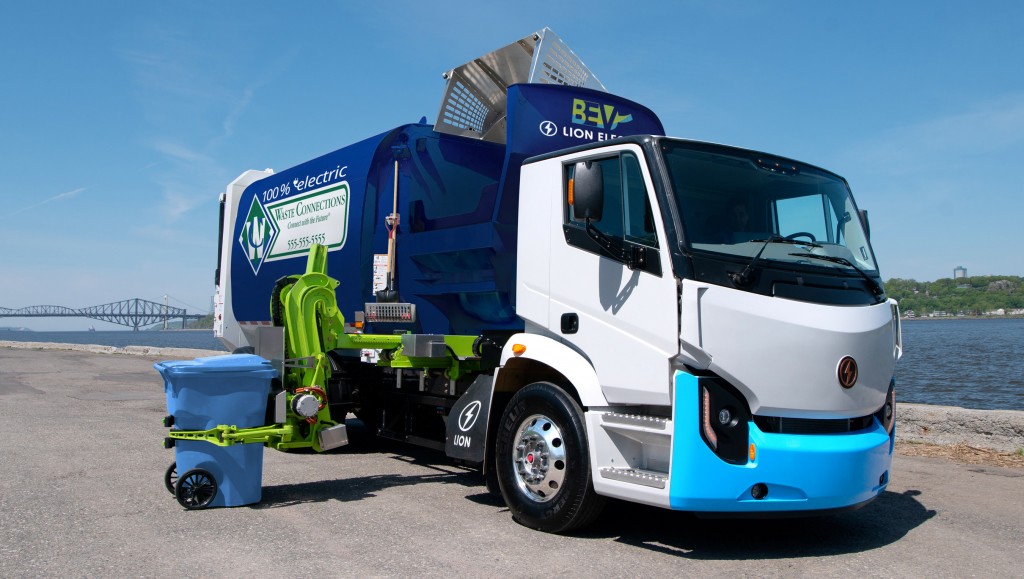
(466, 436)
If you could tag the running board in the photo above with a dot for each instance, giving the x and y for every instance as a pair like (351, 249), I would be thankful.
(635, 476)
(632, 454)
(627, 443)
(645, 422)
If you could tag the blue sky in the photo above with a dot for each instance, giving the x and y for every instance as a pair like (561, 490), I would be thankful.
(120, 122)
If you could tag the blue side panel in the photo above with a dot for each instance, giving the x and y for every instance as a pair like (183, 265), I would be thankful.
(544, 118)
(802, 472)
(452, 260)
(270, 235)
(458, 202)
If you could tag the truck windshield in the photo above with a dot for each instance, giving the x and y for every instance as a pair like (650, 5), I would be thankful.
(732, 201)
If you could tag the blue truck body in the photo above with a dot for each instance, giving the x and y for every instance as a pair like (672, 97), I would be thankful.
(458, 199)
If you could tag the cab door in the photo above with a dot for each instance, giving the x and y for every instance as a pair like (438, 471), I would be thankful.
(613, 294)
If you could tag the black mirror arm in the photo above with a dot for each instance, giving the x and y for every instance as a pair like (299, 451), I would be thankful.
(633, 257)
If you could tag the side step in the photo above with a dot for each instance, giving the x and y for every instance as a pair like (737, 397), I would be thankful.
(645, 422)
(633, 448)
(631, 475)
(632, 454)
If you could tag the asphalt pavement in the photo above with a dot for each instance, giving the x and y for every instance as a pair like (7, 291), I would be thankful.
(82, 494)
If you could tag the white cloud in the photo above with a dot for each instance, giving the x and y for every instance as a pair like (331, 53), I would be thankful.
(274, 69)
(179, 152)
(179, 86)
(58, 197)
(178, 198)
(236, 113)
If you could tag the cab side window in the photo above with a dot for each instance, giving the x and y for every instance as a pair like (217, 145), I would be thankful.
(638, 220)
(627, 209)
(627, 219)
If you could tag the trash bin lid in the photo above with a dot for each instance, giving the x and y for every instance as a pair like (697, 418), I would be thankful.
(245, 363)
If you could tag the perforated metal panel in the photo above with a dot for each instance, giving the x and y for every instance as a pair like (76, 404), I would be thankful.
(474, 103)
(390, 312)
(556, 63)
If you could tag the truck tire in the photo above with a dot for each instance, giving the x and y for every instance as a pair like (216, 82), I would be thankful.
(543, 461)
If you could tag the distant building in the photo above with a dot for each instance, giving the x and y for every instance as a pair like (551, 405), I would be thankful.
(959, 272)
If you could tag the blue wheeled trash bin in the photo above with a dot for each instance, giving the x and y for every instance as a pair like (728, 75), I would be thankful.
(202, 394)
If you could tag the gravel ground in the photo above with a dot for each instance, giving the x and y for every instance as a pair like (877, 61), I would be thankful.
(82, 495)
(961, 453)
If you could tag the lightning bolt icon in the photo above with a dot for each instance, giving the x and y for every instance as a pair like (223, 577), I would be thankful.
(469, 416)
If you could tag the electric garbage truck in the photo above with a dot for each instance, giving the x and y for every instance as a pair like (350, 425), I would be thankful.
(543, 286)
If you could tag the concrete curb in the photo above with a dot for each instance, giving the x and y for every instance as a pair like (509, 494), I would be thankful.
(1001, 430)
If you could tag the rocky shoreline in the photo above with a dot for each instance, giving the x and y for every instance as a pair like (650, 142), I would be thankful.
(166, 353)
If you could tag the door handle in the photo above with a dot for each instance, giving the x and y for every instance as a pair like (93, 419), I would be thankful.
(570, 323)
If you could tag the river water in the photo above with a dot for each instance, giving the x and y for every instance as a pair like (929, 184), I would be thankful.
(968, 363)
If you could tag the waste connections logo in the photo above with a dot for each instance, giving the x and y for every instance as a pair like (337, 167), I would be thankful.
(257, 237)
(282, 227)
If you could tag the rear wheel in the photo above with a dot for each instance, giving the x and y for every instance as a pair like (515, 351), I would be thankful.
(543, 462)
(171, 477)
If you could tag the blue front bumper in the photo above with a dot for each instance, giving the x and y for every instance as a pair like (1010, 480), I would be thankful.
(802, 472)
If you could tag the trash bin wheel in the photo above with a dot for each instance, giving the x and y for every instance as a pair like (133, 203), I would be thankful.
(171, 477)
(195, 489)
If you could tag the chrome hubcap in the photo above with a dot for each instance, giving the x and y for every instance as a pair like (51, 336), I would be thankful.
(539, 458)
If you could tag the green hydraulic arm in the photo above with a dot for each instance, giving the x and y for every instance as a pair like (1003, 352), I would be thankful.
(306, 306)
(314, 326)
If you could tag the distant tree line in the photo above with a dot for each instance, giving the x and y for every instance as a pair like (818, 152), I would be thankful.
(203, 323)
(969, 296)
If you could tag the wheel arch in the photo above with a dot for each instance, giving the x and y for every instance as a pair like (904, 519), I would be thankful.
(542, 359)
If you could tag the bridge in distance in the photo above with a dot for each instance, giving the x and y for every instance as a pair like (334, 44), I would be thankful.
(133, 313)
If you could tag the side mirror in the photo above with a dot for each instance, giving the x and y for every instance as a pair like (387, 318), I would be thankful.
(865, 223)
(586, 191)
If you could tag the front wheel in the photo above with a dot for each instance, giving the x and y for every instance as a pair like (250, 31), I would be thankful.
(195, 489)
(543, 462)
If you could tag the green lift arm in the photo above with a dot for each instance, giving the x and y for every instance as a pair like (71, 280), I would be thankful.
(306, 306)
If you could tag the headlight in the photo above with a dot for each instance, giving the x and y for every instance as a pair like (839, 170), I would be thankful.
(724, 421)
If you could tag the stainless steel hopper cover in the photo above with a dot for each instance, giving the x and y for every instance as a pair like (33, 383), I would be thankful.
(474, 103)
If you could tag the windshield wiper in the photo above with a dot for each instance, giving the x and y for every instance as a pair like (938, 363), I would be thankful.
(780, 239)
(743, 278)
(876, 289)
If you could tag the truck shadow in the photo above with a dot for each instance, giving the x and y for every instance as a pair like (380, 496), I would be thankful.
(352, 489)
(442, 470)
(883, 522)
